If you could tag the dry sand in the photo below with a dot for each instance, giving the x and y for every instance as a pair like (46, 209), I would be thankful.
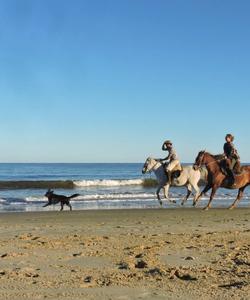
(125, 254)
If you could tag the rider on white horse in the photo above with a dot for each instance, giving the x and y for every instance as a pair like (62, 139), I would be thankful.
(171, 161)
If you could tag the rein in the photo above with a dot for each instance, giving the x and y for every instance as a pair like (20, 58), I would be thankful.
(210, 163)
(150, 170)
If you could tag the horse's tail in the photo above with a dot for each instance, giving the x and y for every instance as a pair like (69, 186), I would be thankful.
(204, 175)
(73, 196)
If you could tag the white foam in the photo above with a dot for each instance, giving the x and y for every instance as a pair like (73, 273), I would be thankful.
(114, 197)
(140, 196)
(106, 182)
(36, 199)
(80, 198)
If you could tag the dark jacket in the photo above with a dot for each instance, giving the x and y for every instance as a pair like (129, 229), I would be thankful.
(230, 151)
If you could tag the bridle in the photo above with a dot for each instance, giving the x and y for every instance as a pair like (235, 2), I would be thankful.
(206, 164)
(150, 170)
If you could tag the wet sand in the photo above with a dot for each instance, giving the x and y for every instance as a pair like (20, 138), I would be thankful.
(125, 254)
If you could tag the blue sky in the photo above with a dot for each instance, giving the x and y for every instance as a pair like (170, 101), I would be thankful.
(109, 81)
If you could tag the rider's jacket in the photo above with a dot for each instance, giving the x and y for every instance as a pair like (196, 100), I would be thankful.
(230, 151)
(172, 155)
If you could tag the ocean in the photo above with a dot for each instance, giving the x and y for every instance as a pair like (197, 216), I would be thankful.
(100, 185)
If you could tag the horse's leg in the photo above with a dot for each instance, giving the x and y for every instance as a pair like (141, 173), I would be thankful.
(239, 196)
(207, 187)
(158, 195)
(197, 191)
(214, 189)
(189, 191)
(61, 206)
(166, 189)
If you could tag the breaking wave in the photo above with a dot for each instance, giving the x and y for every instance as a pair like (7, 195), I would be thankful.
(68, 184)
(124, 196)
(110, 197)
(108, 182)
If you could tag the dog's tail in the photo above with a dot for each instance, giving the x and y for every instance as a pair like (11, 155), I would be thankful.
(73, 196)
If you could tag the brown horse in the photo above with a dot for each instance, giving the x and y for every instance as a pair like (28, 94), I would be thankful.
(216, 178)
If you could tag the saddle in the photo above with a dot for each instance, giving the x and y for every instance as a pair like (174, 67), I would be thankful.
(231, 172)
(223, 168)
(176, 172)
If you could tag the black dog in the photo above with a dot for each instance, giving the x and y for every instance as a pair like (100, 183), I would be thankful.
(54, 199)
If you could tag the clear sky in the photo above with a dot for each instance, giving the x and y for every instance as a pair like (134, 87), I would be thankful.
(109, 81)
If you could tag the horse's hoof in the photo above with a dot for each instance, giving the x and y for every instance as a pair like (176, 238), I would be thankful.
(184, 200)
(205, 208)
(182, 203)
(173, 201)
(231, 207)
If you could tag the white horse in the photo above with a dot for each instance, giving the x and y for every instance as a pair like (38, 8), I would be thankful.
(188, 177)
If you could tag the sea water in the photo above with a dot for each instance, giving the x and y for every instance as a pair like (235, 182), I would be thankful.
(100, 185)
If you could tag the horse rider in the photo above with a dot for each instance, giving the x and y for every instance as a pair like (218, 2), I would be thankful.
(171, 161)
(232, 158)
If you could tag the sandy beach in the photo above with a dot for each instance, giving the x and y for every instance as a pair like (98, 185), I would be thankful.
(126, 254)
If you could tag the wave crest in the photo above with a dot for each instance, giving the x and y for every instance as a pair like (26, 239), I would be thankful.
(88, 197)
(68, 184)
(108, 182)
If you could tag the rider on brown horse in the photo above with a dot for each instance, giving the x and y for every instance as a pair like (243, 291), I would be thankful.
(231, 162)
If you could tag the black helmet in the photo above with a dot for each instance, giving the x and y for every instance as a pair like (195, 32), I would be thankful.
(167, 142)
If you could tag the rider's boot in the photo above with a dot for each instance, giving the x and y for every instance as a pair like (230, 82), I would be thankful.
(169, 176)
(231, 176)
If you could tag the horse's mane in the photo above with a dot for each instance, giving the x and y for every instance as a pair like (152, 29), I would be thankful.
(216, 156)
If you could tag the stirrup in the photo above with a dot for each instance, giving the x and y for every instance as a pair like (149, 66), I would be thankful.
(231, 181)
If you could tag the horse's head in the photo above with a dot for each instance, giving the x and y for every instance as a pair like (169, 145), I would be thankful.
(148, 165)
(199, 161)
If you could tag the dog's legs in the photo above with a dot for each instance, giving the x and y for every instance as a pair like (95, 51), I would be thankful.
(69, 205)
